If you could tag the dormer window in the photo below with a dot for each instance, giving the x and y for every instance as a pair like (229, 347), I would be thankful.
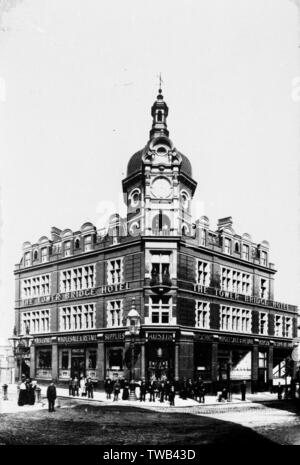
(88, 243)
(67, 248)
(77, 244)
(264, 258)
(27, 259)
(45, 254)
(245, 254)
(227, 246)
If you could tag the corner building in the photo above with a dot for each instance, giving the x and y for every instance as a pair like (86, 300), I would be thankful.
(205, 297)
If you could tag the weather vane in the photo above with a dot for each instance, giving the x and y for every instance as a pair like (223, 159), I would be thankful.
(160, 81)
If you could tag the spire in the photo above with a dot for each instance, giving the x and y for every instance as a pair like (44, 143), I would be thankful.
(159, 113)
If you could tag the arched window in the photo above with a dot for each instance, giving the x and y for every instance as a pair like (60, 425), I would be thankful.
(35, 255)
(237, 248)
(161, 225)
(77, 244)
(159, 116)
(184, 230)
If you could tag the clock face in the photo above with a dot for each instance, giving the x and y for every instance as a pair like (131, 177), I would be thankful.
(161, 188)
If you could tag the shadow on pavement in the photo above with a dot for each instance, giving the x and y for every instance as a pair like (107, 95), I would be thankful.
(87, 424)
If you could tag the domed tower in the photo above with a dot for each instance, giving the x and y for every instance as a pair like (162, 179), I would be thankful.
(159, 187)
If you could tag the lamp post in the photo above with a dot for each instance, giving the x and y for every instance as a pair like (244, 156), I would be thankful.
(133, 324)
(21, 348)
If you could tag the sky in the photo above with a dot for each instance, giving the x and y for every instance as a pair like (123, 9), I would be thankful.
(77, 81)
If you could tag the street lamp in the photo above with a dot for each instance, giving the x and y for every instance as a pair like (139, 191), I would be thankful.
(133, 324)
(21, 348)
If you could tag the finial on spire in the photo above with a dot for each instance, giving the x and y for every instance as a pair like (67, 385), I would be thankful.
(160, 83)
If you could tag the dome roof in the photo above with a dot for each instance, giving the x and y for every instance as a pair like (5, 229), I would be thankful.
(135, 163)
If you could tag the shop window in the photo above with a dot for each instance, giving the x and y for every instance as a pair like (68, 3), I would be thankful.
(115, 271)
(160, 268)
(263, 323)
(65, 360)
(92, 360)
(114, 313)
(44, 359)
(202, 314)
(202, 273)
(115, 359)
(160, 309)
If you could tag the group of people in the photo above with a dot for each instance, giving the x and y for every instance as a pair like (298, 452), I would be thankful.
(162, 390)
(28, 390)
(83, 386)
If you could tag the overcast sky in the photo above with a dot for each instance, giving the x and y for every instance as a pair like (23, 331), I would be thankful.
(77, 81)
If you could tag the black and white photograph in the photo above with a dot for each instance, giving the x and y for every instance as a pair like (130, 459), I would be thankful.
(149, 226)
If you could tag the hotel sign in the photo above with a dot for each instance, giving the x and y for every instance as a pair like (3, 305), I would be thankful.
(102, 290)
(212, 291)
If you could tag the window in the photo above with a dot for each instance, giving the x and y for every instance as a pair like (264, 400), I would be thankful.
(115, 271)
(202, 273)
(160, 267)
(235, 319)
(160, 309)
(288, 327)
(245, 253)
(264, 258)
(35, 255)
(227, 246)
(263, 323)
(77, 244)
(235, 281)
(237, 247)
(202, 237)
(77, 279)
(36, 286)
(278, 325)
(65, 360)
(77, 317)
(184, 199)
(38, 321)
(44, 254)
(87, 243)
(44, 359)
(202, 315)
(67, 248)
(114, 313)
(263, 289)
(92, 359)
(27, 259)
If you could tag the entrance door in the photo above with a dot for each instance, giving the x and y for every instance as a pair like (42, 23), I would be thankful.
(77, 366)
(160, 361)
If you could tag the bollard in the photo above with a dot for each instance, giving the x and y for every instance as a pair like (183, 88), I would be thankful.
(4, 387)
(38, 394)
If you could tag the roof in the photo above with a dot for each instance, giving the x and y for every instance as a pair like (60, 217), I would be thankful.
(135, 163)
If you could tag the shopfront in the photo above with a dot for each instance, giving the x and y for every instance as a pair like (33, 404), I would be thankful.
(115, 360)
(160, 355)
(77, 356)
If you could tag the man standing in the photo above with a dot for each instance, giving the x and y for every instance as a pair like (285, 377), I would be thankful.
(51, 396)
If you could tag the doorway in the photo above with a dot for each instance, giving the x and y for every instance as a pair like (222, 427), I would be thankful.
(77, 363)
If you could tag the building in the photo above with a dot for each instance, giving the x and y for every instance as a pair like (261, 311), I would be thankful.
(205, 297)
(7, 365)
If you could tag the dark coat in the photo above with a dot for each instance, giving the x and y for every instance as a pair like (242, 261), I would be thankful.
(51, 392)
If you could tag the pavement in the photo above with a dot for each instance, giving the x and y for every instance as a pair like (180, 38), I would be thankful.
(211, 404)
